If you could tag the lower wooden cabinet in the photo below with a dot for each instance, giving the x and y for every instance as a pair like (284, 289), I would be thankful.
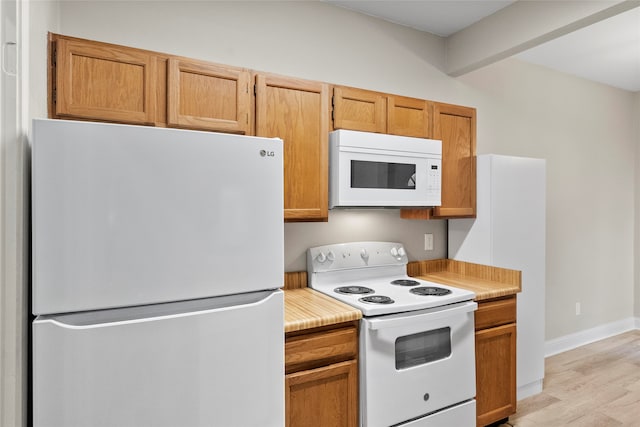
(321, 383)
(324, 396)
(495, 360)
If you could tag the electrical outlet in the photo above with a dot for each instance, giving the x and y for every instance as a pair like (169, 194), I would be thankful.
(577, 309)
(428, 242)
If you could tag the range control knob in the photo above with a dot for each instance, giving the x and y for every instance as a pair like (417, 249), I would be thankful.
(401, 251)
(321, 257)
(331, 256)
(394, 252)
(364, 254)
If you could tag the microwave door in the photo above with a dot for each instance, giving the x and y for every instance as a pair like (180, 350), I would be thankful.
(370, 179)
(383, 175)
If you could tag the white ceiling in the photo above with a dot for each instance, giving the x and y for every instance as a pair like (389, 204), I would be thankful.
(607, 51)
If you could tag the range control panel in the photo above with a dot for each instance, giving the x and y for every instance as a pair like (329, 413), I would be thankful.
(344, 256)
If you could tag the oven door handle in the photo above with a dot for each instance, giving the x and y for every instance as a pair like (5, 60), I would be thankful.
(382, 323)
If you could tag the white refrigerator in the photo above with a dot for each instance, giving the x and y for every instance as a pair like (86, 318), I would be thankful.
(509, 232)
(157, 258)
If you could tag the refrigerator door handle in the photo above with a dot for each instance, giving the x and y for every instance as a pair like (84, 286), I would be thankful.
(151, 313)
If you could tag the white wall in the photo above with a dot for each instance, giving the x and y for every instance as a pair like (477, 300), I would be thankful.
(587, 134)
(586, 131)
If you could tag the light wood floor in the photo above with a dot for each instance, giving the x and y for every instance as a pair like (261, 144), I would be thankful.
(597, 385)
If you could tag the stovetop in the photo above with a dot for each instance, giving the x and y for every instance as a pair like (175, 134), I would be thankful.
(371, 276)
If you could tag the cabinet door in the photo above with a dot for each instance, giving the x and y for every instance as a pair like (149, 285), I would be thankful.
(298, 112)
(495, 373)
(358, 109)
(103, 82)
(323, 397)
(456, 127)
(208, 96)
(408, 116)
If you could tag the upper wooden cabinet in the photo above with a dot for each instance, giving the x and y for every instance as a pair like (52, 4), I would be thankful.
(93, 80)
(456, 127)
(298, 112)
(207, 96)
(100, 81)
(358, 109)
(368, 111)
(408, 116)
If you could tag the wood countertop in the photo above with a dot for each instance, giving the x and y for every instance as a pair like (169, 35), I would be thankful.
(486, 281)
(305, 308)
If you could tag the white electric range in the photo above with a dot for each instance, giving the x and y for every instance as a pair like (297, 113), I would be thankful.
(417, 346)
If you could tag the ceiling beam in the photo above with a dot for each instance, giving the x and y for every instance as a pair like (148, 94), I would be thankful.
(521, 26)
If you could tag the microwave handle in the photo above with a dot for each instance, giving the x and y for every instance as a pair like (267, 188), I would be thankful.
(382, 323)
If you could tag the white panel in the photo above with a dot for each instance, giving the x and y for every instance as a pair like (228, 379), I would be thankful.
(518, 223)
(212, 362)
(509, 232)
(127, 215)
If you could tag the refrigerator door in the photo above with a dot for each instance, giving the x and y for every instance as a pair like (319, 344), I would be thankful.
(128, 215)
(212, 362)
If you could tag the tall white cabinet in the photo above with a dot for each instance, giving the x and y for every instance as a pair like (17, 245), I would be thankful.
(509, 232)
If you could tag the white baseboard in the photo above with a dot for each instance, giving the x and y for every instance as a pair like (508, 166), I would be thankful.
(571, 341)
(528, 390)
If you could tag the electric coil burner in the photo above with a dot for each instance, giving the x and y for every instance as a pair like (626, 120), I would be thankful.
(405, 282)
(353, 290)
(430, 290)
(416, 338)
(377, 299)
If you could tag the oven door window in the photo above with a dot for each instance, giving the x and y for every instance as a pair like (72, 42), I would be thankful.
(385, 175)
(423, 347)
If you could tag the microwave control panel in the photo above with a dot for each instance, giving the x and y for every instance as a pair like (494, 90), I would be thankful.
(434, 178)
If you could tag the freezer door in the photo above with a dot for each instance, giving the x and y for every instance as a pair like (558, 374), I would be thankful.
(213, 362)
(129, 215)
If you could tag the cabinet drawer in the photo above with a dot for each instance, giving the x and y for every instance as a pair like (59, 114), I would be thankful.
(496, 312)
(320, 348)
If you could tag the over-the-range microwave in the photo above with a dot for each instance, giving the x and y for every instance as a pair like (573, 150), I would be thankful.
(379, 170)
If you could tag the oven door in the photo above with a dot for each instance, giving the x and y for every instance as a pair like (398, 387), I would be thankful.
(373, 178)
(416, 363)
